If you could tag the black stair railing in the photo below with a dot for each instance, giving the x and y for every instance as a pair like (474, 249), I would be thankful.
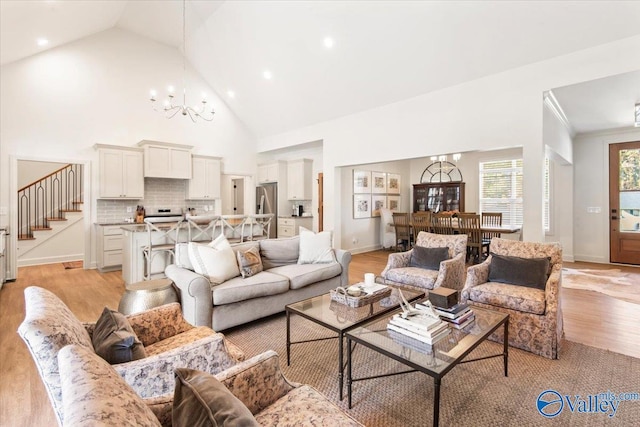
(48, 198)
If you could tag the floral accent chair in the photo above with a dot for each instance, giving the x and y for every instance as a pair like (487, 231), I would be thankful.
(93, 394)
(450, 274)
(535, 318)
(169, 342)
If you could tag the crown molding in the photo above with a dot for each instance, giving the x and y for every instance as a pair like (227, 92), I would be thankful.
(553, 104)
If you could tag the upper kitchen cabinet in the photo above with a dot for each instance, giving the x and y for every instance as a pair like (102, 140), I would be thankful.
(272, 172)
(120, 172)
(205, 183)
(299, 179)
(166, 160)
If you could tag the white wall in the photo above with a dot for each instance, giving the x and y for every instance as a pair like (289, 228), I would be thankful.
(56, 105)
(29, 172)
(591, 182)
(499, 111)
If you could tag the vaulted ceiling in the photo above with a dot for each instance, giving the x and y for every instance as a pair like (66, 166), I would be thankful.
(383, 51)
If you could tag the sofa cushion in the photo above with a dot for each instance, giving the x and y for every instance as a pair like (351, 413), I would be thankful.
(530, 272)
(519, 298)
(316, 248)
(216, 261)
(199, 399)
(278, 252)
(429, 258)
(414, 276)
(249, 262)
(237, 289)
(304, 406)
(301, 275)
(94, 394)
(178, 340)
(114, 340)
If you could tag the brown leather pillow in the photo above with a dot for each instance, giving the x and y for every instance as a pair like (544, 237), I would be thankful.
(199, 399)
(114, 340)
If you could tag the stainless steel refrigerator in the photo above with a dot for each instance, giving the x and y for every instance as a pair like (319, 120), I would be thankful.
(267, 202)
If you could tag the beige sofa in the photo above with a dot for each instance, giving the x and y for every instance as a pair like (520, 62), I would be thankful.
(94, 395)
(241, 300)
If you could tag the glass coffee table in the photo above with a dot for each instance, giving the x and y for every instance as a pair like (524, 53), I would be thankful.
(341, 318)
(435, 360)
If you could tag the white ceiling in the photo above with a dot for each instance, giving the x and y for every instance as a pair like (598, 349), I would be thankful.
(385, 51)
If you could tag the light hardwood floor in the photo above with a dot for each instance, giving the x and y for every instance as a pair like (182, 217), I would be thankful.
(590, 318)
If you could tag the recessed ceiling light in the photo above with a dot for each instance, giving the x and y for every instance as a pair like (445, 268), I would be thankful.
(267, 74)
(42, 42)
(231, 94)
(328, 42)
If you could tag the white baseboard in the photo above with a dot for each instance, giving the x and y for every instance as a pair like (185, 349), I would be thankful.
(364, 249)
(590, 258)
(49, 260)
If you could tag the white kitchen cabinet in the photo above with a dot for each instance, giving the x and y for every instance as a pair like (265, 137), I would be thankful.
(299, 176)
(272, 172)
(166, 160)
(205, 183)
(109, 249)
(120, 172)
(290, 226)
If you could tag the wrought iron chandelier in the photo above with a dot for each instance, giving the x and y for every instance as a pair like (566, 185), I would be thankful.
(168, 108)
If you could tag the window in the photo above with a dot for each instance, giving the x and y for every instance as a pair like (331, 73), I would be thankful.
(501, 189)
(547, 196)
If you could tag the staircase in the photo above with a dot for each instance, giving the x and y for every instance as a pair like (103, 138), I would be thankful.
(47, 210)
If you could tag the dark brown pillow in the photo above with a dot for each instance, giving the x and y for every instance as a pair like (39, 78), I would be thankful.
(529, 272)
(199, 399)
(114, 340)
(428, 258)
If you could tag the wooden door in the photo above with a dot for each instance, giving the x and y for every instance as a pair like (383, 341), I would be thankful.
(624, 202)
(320, 201)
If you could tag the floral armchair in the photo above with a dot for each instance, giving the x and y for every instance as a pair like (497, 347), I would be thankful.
(169, 342)
(450, 275)
(535, 317)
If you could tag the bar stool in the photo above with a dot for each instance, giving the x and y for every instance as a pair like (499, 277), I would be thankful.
(160, 241)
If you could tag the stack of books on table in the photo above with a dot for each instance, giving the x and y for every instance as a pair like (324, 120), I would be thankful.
(459, 316)
(421, 327)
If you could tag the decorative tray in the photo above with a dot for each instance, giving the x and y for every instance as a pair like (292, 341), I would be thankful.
(379, 292)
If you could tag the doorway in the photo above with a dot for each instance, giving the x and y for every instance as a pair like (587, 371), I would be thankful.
(238, 196)
(624, 202)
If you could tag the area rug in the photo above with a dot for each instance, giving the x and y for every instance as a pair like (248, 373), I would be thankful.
(472, 394)
(72, 264)
(612, 282)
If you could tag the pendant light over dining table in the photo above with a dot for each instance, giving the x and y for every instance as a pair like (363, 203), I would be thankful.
(169, 108)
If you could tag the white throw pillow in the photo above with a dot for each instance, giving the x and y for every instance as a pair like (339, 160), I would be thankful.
(316, 248)
(182, 256)
(216, 261)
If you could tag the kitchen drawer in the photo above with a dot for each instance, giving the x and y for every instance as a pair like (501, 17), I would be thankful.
(111, 230)
(286, 230)
(286, 222)
(112, 258)
(112, 243)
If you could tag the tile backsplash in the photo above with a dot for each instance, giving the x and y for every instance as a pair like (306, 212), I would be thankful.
(158, 193)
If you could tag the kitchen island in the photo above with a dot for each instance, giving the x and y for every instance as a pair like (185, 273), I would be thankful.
(236, 228)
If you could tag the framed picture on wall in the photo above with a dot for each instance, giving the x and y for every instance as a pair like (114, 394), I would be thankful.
(393, 183)
(361, 206)
(393, 203)
(378, 202)
(378, 182)
(361, 181)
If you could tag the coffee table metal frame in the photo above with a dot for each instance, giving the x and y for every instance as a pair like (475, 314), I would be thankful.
(353, 335)
(375, 311)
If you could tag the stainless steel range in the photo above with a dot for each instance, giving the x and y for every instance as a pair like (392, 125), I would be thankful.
(164, 214)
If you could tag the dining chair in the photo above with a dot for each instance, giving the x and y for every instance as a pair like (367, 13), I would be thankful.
(491, 219)
(469, 224)
(441, 223)
(403, 230)
(420, 221)
(160, 240)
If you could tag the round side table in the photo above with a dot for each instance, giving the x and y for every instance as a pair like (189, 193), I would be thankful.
(144, 295)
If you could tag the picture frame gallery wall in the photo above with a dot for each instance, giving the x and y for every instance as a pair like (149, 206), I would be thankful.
(373, 191)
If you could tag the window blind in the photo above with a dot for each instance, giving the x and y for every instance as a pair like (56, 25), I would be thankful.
(501, 189)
